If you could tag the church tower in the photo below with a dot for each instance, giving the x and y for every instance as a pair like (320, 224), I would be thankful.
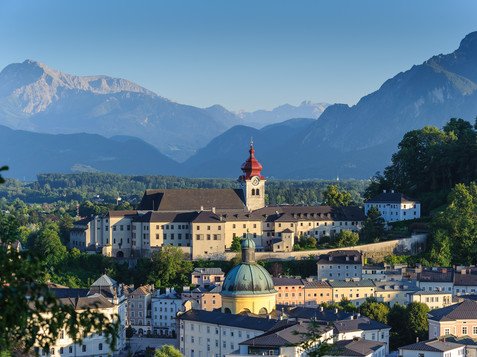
(252, 182)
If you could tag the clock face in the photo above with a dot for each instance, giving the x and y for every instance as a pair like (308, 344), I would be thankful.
(255, 180)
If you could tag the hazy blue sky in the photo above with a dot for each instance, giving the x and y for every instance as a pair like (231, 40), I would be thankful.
(241, 54)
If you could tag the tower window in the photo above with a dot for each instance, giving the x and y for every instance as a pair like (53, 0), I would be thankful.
(257, 192)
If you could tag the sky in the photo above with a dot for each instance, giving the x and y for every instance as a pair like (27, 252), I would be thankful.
(244, 55)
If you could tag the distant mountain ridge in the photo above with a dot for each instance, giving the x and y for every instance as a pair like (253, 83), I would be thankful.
(38, 98)
(357, 141)
(28, 154)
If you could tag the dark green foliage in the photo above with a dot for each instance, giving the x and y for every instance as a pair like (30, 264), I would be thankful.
(334, 196)
(169, 268)
(408, 323)
(167, 351)
(454, 231)
(373, 227)
(236, 244)
(375, 310)
(430, 162)
(347, 239)
(102, 189)
(28, 308)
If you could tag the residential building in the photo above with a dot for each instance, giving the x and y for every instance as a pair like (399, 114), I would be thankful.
(392, 292)
(458, 320)
(465, 281)
(340, 265)
(203, 298)
(394, 206)
(207, 276)
(291, 291)
(436, 279)
(433, 299)
(203, 222)
(317, 292)
(164, 309)
(433, 348)
(376, 272)
(355, 291)
(216, 334)
(364, 328)
(104, 296)
(139, 309)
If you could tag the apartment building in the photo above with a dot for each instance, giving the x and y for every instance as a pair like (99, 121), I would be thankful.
(164, 309)
(340, 265)
(458, 320)
(394, 206)
(394, 292)
(139, 309)
(207, 276)
(433, 299)
(355, 291)
(203, 298)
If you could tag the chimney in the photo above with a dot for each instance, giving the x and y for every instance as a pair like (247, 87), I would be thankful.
(336, 310)
(347, 258)
(321, 308)
(392, 191)
(213, 209)
(384, 191)
(201, 208)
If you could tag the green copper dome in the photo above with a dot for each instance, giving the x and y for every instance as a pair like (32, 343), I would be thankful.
(248, 243)
(248, 279)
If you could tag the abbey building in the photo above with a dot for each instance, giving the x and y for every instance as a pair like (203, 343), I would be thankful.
(204, 222)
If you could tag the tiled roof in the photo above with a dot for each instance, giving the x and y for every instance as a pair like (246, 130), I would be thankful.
(325, 315)
(142, 290)
(351, 284)
(465, 310)
(219, 318)
(356, 347)
(391, 197)
(432, 346)
(360, 323)
(91, 301)
(436, 275)
(341, 257)
(316, 284)
(208, 271)
(183, 217)
(122, 213)
(287, 281)
(465, 279)
(192, 199)
(69, 292)
(104, 280)
(287, 335)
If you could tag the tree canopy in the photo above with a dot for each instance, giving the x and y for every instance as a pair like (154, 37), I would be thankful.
(334, 196)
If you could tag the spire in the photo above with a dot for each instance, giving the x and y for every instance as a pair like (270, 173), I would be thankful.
(251, 167)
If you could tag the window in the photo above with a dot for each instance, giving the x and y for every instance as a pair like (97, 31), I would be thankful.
(474, 330)
(83, 348)
(447, 331)
(100, 347)
(464, 330)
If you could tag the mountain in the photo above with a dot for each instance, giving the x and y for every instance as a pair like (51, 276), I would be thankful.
(359, 140)
(224, 155)
(37, 98)
(29, 153)
(261, 118)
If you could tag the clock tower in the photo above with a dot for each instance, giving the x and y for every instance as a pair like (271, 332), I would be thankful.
(252, 182)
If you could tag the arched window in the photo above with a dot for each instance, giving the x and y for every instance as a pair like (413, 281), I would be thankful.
(257, 192)
(227, 310)
(253, 192)
(100, 347)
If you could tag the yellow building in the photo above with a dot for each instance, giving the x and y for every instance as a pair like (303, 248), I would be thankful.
(248, 287)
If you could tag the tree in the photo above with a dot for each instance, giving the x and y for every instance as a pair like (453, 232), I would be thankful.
(346, 305)
(375, 310)
(347, 239)
(236, 244)
(167, 351)
(169, 268)
(417, 323)
(334, 196)
(454, 231)
(47, 245)
(373, 226)
(397, 319)
(31, 314)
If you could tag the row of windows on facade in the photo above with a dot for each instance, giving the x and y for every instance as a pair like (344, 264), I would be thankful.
(465, 330)
(392, 206)
(299, 294)
(431, 288)
(209, 329)
(71, 349)
(332, 266)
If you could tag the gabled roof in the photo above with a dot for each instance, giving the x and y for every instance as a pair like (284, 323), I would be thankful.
(219, 318)
(104, 280)
(465, 310)
(91, 301)
(285, 281)
(208, 271)
(142, 290)
(357, 324)
(356, 347)
(432, 346)
(287, 335)
(192, 199)
(317, 314)
(341, 257)
(391, 197)
(465, 279)
(69, 292)
(167, 217)
(352, 284)
(441, 275)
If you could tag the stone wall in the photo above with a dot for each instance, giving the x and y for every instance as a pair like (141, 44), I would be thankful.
(376, 251)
